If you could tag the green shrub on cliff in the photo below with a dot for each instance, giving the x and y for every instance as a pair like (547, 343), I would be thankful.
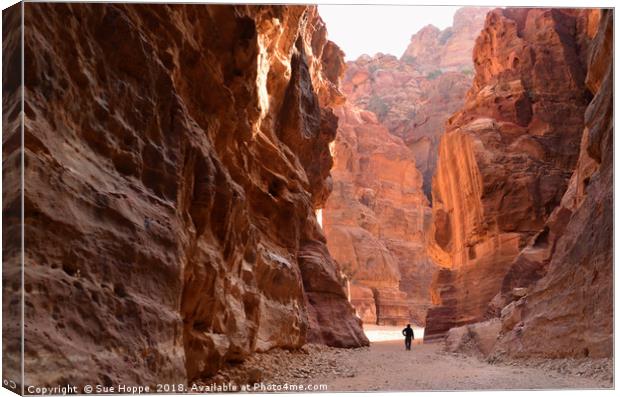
(378, 106)
(434, 74)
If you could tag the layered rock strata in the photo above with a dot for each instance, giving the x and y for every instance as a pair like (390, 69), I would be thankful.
(174, 157)
(375, 221)
(507, 157)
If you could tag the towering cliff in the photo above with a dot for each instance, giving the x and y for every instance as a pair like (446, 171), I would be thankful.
(375, 221)
(569, 311)
(175, 155)
(413, 96)
(504, 167)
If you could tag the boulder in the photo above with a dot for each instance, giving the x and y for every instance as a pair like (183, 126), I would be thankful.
(511, 314)
(475, 339)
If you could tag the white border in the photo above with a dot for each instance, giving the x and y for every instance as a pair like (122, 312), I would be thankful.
(503, 3)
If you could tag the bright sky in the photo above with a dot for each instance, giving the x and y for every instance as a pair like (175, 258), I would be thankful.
(367, 29)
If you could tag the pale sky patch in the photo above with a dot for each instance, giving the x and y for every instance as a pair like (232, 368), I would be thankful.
(369, 29)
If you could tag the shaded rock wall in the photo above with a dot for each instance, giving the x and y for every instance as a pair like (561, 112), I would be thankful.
(174, 159)
(506, 158)
(569, 311)
(375, 221)
(12, 324)
(414, 95)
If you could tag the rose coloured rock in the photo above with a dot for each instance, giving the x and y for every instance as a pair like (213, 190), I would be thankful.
(449, 49)
(413, 96)
(515, 226)
(174, 158)
(506, 157)
(375, 221)
(568, 312)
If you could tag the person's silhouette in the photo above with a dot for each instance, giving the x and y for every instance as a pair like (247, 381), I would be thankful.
(408, 334)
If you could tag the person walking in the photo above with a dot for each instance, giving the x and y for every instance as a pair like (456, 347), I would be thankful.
(408, 334)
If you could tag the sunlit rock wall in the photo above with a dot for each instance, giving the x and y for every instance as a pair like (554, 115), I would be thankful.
(409, 98)
(376, 219)
(507, 156)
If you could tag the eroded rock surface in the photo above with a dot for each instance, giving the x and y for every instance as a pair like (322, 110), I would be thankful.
(175, 155)
(476, 339)
(569, 311)
(12, 324)
(507, 157)
(448, 49)
(375, 221)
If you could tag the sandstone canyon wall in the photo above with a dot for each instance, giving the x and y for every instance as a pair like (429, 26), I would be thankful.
(505, 216)
(414, 95)
(568, 308)
(174, 157)
(375, 221)
(378, 217)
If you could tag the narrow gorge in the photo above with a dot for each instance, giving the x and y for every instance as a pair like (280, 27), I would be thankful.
(378, 216)
(209, 189)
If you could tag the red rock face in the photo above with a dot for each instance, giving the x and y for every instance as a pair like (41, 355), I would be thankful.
(569, 311)
(174, 159)
(375, 221)
(506, 158)
(413, 96)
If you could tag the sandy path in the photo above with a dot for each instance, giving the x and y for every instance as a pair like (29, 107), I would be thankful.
(388, 366)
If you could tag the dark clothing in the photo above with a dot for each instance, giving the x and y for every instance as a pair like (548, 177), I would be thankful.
(408, 334)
